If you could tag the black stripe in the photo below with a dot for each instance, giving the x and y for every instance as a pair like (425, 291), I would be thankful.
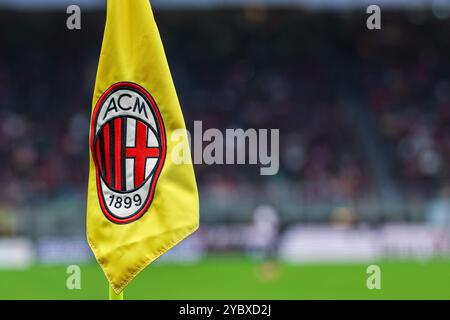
(112, 149)
(123, 161)
(102, 153)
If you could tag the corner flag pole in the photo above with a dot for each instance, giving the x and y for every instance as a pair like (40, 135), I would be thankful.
(113, 295)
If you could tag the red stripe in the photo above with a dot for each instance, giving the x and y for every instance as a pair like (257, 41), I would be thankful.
(118, 153)
(107, 153)
(139, 161)
(97, 156)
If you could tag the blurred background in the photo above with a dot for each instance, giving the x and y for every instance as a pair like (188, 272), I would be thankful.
(364, 119)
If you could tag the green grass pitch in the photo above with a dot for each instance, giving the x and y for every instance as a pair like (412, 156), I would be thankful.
(239, 278)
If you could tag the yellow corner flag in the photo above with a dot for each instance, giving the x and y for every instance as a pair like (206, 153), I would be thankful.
(140, 202)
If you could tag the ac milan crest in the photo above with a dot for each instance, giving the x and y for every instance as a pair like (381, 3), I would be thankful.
(128, 145)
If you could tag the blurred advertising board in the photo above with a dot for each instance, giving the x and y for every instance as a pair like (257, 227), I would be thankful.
(16, 253)
(324, 243)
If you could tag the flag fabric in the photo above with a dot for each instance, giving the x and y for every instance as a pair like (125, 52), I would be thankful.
(140, 201)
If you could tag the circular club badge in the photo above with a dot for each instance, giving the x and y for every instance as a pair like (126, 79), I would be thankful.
(128, 145)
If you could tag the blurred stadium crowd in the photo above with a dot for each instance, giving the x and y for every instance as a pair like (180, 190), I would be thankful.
(363, 115)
